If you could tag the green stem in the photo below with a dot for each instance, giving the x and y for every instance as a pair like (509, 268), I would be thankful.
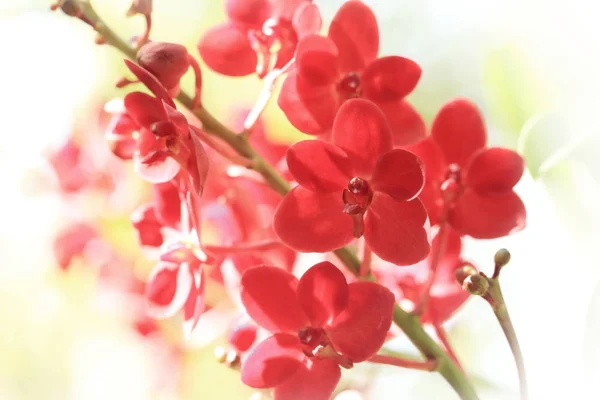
(409, 323)
(496, 299)
(427, 365)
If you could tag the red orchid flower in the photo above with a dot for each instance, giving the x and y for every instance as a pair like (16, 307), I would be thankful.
(358, 185)
(318, 323)
(469, 185)
(71, 242)
(70, 166)
(407, 284)
(260, 35)
(329, 70)
(177, 283)
(165, 144)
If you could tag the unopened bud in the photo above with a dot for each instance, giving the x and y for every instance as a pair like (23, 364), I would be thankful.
(476, 285)
(463, 272)
(168, 62)
(70, 7)
(501, 258)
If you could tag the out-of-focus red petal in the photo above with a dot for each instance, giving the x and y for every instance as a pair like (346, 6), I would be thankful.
(144, 109)
(248, 12)
(242, 336)
(168, 289)
(400, 174)
(355, 32)
(450, 258)
(444, 302)
(226, 49)
(71, 242)
(285, 9)
(317, 59)
(167, 204)
(360, 331)
(269, 296)
(147, 226)
(390, 78)
(397, 232)
(319, 166)
(307, 19)
(406, 123)
(310, 108)
(273, 361)
(317, 381)
(360, 128)
(323, 293)
(151, 82)
(312, 222)
(488, 217)
(459, 131)
(494, 170)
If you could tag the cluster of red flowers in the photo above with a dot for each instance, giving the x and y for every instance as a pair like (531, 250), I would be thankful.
(374, 177)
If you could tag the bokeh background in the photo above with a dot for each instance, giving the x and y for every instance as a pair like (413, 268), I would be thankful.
(532, 66)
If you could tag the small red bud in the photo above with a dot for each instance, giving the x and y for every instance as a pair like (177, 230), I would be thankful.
(70, 7)
(168, 62)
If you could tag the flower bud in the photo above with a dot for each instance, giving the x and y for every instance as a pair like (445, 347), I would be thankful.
(476, 285)
(501, 258)
(463, 272)
(168, 62)
(70, 7)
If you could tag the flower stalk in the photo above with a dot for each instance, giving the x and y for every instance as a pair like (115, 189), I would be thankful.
(489, 288)
(428, 365)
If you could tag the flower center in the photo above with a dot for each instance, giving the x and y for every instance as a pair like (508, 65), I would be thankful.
(452, 187)
(349, 86)
(357, 198)
(312, 337)
(274, 44)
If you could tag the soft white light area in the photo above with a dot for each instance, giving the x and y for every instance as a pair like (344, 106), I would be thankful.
(45, 74)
